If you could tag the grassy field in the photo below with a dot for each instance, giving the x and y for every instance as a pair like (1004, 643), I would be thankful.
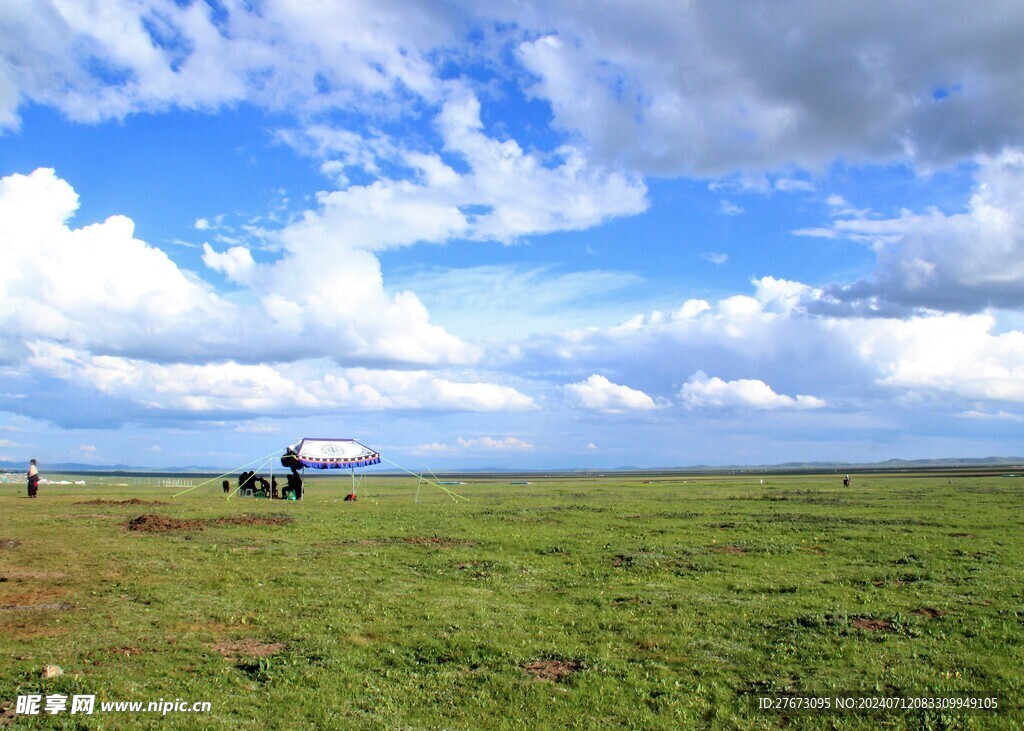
(577, 604)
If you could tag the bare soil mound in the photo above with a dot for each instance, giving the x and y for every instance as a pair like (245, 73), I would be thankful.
(554, 670)
(133, 501)
(153, 523)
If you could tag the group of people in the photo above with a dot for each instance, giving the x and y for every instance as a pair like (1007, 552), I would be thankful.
(249, 483)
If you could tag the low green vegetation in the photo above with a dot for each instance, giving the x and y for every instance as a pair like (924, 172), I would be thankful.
(565, 603)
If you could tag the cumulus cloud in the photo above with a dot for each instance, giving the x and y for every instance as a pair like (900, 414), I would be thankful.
(504, 193)
(703, 392)
(96, 286)
(103, 312)
(597, 393)
(663, 88)
(489, 443)
(100, 289)
(119, 57)
(952, 354)
(476, 444)
(712, 88)
(236, 263)
(965, 261)
(766, 347)
(304, 387)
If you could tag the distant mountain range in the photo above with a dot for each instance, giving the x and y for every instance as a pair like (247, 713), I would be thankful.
(890, 464)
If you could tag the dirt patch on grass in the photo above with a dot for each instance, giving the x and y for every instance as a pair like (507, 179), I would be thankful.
(20, 627)
(35, 600)
(44, 607)
(554, 670)
(437, 541)
(253, 520)
(33, 575)
(153, 523)
(248, 647)
(9, 544)
(133, 501)
(7, 714)
(124, 651)
(930, 612)
(871, 624)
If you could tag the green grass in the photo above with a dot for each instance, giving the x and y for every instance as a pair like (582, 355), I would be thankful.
(673, 604)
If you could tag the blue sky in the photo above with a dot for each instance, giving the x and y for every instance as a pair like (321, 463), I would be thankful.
(548, 235)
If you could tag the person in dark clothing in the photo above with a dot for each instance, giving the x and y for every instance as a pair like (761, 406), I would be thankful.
(33, 479)
(295, 486)
(292, 462)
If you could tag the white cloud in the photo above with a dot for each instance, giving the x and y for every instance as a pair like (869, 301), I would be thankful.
(120, 57)
(730, 209)
(718, 88)
(104, 312)
(661, 88)
(236, 263)
(792, 185)
(715, 257)
(99, 289)
(475, 444)
(781, 295)
(492, 444)
(780, 350)
(95, 286)
(964, 261)
(954, 354)
(597, 393)
(297, 388)
(992, 416)
(703, 392)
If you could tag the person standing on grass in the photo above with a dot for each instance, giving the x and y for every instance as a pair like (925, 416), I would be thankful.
(33, 478)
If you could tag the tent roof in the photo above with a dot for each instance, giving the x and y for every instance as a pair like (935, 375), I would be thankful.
(333, 454)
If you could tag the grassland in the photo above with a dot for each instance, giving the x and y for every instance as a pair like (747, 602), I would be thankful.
(578, 604)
